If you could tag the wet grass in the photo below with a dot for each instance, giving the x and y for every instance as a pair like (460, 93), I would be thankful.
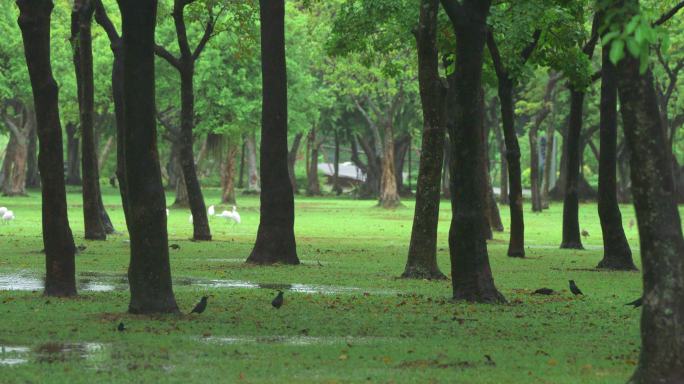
(361, 324)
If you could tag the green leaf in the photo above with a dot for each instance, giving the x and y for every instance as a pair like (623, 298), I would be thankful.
(643, 60)
(617, 51)
(631, 26)
(608, 37)
(633, 47)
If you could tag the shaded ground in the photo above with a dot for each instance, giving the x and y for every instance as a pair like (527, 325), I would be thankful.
(358, 323)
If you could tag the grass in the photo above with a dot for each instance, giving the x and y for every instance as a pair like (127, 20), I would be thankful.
(380, 329)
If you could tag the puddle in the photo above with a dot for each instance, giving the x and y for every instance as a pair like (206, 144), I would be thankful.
(51, 353)
(96, 282)
(295, 340)
(242, 261)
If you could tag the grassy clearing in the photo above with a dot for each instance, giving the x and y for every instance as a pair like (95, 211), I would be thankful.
(360, 324)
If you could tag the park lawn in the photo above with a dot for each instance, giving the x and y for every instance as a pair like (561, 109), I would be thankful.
(348, 318)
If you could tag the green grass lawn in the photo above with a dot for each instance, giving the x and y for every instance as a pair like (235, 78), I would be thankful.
(348, 318)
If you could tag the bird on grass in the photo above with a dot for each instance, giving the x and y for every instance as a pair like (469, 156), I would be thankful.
(167, 212)
(574, 288)
(585, 233)
(121, 327)
(7, 217)
(234, 215)
(174, 246)
(190, 219)
(211, 211)
(631, 224)
(201, 306)
(543, 291)
(3, 210)
(636, 303)
(278, 301)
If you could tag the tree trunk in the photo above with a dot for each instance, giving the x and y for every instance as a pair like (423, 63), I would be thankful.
(228, 175)
(81, 37)
(571, 229)
(275, 241)
(15, 164)
(252, 171)
(389, 194)
(336, 166)
(73, 176)
(241, 179)
(292, 160)
(662, 246)
(471, 274)
(149, 273)
(182, 200)
(32, 174)
(313, 186)
(550, 159)
(104, 154)
(535, 182)
(446, 173)
(491, 209)
(616, 252)
(422, 255)
(34, 21)
(401, 148)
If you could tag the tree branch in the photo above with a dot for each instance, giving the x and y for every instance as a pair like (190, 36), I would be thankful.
(208, 30)
(527, 52)
(453, 10)
(105, 22)
(166, 55)
(669, 14)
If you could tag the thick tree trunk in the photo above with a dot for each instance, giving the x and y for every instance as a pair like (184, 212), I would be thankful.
(15, 164)
(571, 229)
(253, 184)
(292, 160)
(275, 241)
(182, 200)
(422, 255)
(34, 21)
(73, 176)
(228, 175)
(389, 194)
(471, 273)
(616, 252)
(313, 186)
(660, 231)
(149, 273)
(81, 38)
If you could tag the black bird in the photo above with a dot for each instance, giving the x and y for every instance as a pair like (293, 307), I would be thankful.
(543, 291)
(201, 306)
(574, 289)
(278, 301)
(636, 303)
(585, 233)
(121, 327)
(81, 248)
(174, 246)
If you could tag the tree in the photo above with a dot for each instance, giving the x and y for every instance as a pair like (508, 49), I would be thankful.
(275, 240)
(471, 274)
(422, 254)
(185, 65)
(660, 230)
(34, 21)
(149, 272)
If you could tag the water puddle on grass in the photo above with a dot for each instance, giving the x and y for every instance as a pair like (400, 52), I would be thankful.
(295, 340)
(97, 282)
(51, 353)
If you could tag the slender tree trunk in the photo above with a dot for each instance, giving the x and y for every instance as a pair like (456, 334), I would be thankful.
(253, 184)
(83, 62)
(336, 166)
(616, 252)
(182, 199)
(389, 194)
(471, 273)
(493, 216)
(571, 229)
(149, 273)
(446, 173)
(73, 176)
(550, 159)
(275, 241)
(660, 231)
(313, 187)
(503, 180)
(292, 159)
(104, 154)
(422, 255)
(34, 21)
(228, 175)
(241, 179)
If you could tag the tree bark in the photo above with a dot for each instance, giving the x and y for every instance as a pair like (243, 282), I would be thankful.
(389, 194)
(275, 241)
(422, 255)
(292, 159)
(571, 229)
(15, 165)
(104, 154)
(34, 21)
(32, 174)
(81, 39)
(660, 231)
(73, 176)
(149, 272)
(471, 273)
(253, 184)
(228, 175)
(313, 186)
(616, 252)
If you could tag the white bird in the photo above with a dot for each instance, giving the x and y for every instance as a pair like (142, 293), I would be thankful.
(211, 211)
(190, 219)
(167, 212)
(236, 215)
(3, 210)
(8, 216)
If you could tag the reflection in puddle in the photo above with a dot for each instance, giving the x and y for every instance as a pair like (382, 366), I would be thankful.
(296, 340)
(94, 282)
(52, 352)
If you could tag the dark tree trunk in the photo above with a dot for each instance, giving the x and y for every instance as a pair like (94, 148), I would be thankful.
(275, 241)
(313, 186)
(446, 173)
(73, 176)
(116, 45)
(471, 274)
(571, 228)
(616, 252)
(32, 175)
(371, 186)
(660, 231)
(185, 65)
(491, 208)
(149, 272)
(336, 166)
(228, 175)
(34, 21)
(503, 177)
(292, 160)
(81, 39)
(422, 254)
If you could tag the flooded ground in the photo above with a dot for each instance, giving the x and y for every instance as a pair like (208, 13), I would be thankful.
(51, 353)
